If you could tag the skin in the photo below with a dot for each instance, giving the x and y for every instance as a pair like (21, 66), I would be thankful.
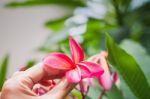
(20, 85)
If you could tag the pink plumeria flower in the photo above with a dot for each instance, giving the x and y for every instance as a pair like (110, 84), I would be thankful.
(75, 67)
(108, 78)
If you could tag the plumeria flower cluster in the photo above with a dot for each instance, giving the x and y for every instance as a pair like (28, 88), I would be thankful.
(79, 71)
(75, 67)
(106, 80)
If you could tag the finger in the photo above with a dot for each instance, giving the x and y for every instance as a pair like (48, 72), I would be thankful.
(39, 73)
(16, 73)
(34, 74)
(61, 90)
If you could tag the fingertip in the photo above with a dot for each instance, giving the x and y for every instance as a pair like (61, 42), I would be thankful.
(62, 89)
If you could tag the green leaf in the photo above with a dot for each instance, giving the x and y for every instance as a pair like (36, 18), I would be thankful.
(30, 63)
(127, 93)
(140, 55)
(56, 24)
(129, 69)
(3, 70)
(76, 94)
(72, 3)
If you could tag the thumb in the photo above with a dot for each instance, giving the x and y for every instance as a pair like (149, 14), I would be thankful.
(61, 90)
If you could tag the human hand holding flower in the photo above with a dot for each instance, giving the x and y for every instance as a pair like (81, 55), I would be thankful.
(56, 65)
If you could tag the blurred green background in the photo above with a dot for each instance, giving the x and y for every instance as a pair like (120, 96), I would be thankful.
(128, 23)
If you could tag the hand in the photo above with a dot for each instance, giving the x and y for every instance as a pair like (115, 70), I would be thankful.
(20, 85)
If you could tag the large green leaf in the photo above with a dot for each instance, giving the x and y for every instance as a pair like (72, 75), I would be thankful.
(127, 93)
(140, 55)
(3, 70)
(129, 69)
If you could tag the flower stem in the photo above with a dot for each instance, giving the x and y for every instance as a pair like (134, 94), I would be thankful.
(85, 94)
(102, 94)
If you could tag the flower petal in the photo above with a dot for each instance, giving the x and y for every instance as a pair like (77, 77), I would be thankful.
(90, 69)
(76, 51)
(114, 77)
(105, 80)
(58, 61)
(85, 72)
(74, 75)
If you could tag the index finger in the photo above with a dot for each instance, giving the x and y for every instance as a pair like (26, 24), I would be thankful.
(37, 73)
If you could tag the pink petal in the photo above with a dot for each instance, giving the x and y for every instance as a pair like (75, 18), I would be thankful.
(82, 87)
(40, 91)
(58, 61)
(114, 77)
(73, 76)
(85, 72)
(89, 69)
(90, 82)
(105, 80)
(47, 82)
(76, 51)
